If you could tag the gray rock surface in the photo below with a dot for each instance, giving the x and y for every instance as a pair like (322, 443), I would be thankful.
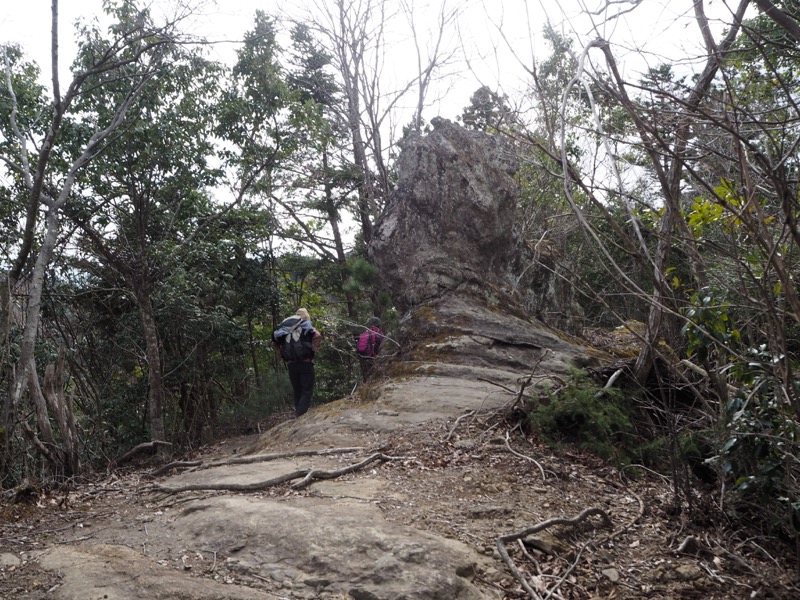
(450, 228)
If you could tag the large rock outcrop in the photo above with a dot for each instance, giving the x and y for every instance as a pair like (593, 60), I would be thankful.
(449, 230)
(448, 226)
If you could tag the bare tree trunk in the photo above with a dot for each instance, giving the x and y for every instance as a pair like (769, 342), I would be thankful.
(60, 405)
(27, 374)
(6, 424)
(155, 378)
(334, 218)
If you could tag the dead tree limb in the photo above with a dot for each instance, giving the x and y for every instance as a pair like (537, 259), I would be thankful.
(247, 460)
(308, 475)
(141, 448)
(512, 537)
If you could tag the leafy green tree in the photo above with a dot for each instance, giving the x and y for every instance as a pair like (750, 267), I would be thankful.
(47, 173)
(141, 201)
(488, 111)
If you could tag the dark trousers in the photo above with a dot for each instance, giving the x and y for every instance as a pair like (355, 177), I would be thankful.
(301, 375)
(367, 363)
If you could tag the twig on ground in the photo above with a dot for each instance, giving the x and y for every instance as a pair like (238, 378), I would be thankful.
(512, 537)
(760, 549)
(455, 425)
(528, 458)
(178, 464)
(629, 524)
(734, 557)
(566, 574)
(529, 556)
(664, 478)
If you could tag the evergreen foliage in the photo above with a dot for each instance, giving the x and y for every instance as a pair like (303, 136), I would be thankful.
(581, 415)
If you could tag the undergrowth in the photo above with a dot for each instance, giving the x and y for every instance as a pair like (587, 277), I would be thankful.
(583, 415)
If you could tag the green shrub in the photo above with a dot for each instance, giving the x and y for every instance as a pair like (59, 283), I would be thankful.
(579, 415)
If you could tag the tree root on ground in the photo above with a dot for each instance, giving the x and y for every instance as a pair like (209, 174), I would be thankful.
(178, 464)
(511, 537)
(247, 460)
(305, 475)
(528, 458)
(141, 448)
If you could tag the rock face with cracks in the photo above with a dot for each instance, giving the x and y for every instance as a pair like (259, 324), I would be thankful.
(450, 229)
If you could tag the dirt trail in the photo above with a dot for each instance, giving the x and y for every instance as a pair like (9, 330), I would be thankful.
(423, 524)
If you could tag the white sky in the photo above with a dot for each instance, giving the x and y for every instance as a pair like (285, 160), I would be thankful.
(664, 27)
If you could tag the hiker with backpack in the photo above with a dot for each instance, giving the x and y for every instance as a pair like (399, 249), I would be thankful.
(297, 341)
(369, 344)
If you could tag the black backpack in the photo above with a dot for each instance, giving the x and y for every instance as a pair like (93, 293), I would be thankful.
(296, 344)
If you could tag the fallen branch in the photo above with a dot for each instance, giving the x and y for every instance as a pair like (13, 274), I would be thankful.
(455, 425)
(515, 453)
(306, 474)
(512, 537)
(141, 448)
(247, 460)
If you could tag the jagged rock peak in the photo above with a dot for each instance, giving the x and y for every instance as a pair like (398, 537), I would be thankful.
(448, 227)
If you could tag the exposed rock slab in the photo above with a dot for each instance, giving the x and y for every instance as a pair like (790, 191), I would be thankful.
(120, 573)
(332, 544)
(332, 547)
